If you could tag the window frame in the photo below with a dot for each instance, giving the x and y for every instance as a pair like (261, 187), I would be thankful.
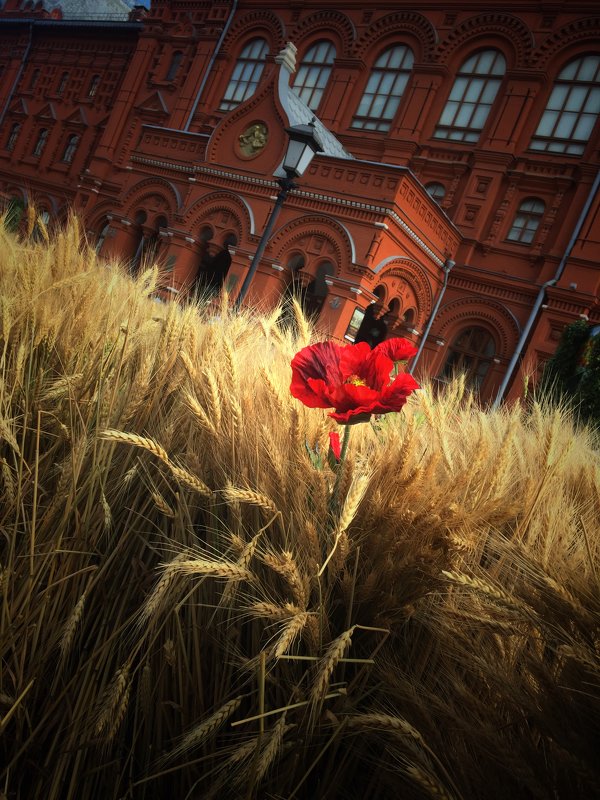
(41, 142)
(528, 216)
(64, 79)
(565, 144)
(247, 73)
(477, 357)
(471, 88)
(312, 95)
(94, 84)
(389, 100)
(174, 66)
(13, 136)
(70, 148)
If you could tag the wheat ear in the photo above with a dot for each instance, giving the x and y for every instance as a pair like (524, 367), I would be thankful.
(385, 722)
(202, 731)
(289, 633)
(335, 651)
(433, 787)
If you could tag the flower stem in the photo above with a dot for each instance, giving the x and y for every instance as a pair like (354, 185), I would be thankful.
(334, 504)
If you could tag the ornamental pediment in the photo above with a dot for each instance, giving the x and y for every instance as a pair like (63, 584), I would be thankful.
(153, 104)
(78, 117)
(19, 108)
(47, 112)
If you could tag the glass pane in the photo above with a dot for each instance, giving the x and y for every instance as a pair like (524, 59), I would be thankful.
(527, 236)
(448, 113)
(576, 98)
(480, 117)
(584, 127)
(490, 91)
(386, 83)
(464, 115)
(588, 68)
(558, 97)
(569, 72)
(593, 102)
(565, 126)
(474, 89)
(547, 123)
(458, 90)
(484, 62)
(391, 107)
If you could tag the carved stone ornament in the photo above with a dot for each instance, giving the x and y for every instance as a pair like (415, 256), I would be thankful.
(253, 139)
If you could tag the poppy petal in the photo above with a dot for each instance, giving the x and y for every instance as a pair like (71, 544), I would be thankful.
(319, 361)
(398, 349)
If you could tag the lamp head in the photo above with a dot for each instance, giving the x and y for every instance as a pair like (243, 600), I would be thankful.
(302, 146)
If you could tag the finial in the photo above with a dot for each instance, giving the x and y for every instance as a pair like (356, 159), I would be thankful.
(287, 57)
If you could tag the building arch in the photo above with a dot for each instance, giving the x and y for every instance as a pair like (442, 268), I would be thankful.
(153, 187)
(253, 23)
(403, 269)
(309, 234)
(510, 30)
(580, 32)
(225, 202)
(489, 314)
(326, 24)
(418, 27)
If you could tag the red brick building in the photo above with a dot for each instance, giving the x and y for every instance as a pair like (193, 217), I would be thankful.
(457, 190)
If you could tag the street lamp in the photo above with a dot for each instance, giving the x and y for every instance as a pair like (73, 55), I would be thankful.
(302, 146)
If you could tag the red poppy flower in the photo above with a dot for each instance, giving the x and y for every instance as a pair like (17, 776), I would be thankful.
(353, 379)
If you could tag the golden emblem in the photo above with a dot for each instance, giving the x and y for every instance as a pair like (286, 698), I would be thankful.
(253, 139)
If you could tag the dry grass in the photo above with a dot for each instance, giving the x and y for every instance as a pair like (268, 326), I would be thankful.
(184, 611)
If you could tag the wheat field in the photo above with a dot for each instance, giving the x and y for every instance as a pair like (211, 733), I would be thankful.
(185, 612)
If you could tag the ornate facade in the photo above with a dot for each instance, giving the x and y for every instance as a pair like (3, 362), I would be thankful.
(456, 194)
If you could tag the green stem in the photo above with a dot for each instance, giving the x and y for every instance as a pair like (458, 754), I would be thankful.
(338, 478)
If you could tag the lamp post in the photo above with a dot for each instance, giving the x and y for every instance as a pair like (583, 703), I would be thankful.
(302, 146)
(447, 269)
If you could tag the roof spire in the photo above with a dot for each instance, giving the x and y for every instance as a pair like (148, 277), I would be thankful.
(287, 57)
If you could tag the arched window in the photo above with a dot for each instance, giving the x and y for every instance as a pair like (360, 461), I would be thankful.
(384, 89)
(64, 79)
(572, 109)
(206, 234)
(471, 98)
(313, 73)
(317, 290)
(230, 241)
(246, 74)
(527, 220)
(436, 190)
(13, 136)
(71, 148)
(41, 142)
(471, 352)
(174, 65)
(94, 83)
(35, 75)
(102, 235)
